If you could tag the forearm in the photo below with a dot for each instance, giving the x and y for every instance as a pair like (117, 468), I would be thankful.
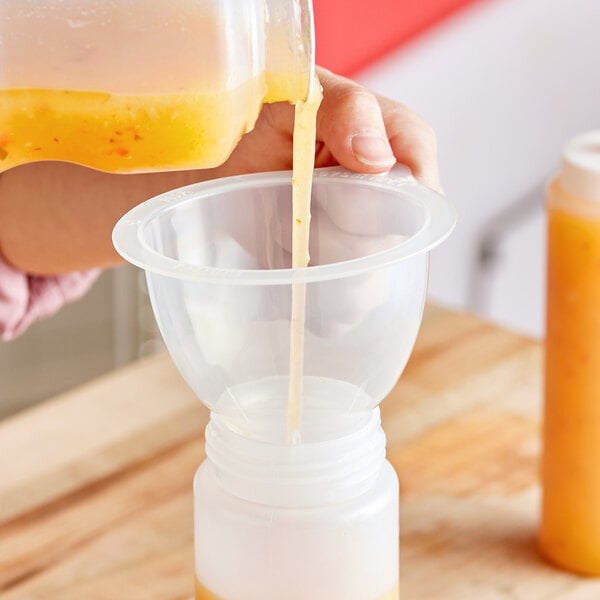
(58, 217)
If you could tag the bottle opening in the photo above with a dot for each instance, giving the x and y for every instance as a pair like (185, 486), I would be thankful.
(580, 173)
(320, 472)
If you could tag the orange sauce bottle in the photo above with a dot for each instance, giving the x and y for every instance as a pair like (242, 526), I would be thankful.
(570, 521)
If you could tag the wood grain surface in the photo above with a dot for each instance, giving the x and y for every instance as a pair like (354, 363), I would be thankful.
(96, 485)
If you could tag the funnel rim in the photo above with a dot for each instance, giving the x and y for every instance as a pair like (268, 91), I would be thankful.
(439, 220)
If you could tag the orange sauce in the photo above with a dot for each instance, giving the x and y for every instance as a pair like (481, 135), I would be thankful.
(121, 133)
(203, 594)
(305, 131)
(570, 525)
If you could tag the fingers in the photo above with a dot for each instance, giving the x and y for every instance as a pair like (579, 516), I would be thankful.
(351, 126)
(368, 133)
(413, 142)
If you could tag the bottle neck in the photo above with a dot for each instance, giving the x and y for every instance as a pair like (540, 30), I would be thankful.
(302, 475)
(290, 49)
(580, 171)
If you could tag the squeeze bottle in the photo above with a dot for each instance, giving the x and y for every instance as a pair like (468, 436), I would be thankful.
(308, 521)
(570, 520)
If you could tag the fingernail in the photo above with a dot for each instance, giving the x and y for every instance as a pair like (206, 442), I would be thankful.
(372, 149)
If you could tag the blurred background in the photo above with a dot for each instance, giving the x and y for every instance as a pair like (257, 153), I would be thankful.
(505, 83)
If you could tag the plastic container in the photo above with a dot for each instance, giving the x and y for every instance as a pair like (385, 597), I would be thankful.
(217, 257)
(570, 523)
(318, 518)
(144, 85)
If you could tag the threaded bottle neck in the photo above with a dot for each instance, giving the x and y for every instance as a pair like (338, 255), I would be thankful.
(302, 475)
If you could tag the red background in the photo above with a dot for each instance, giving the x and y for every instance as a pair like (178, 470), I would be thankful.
(352, 33)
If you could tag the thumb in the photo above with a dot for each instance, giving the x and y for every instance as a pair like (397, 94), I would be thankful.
(350, 125)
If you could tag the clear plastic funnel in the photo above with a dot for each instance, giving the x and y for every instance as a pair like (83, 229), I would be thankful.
(217, 257)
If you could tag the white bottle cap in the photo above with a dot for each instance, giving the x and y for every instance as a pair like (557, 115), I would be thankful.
(580, 173)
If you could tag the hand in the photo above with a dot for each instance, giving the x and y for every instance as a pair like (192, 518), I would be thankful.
(356, 128)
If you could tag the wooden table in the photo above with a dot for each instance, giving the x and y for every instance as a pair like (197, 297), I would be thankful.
(95, 485)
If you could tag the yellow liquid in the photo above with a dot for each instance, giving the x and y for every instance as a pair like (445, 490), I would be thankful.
(203, 594)
(133, 133)
(122, 134)
(304, 161)
(570, 523)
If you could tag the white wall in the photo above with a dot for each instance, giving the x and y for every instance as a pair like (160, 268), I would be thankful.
(505, 83)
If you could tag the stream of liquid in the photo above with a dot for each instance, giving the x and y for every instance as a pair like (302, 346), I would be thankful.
(304, 160)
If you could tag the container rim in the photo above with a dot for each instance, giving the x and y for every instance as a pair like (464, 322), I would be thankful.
(439, 221)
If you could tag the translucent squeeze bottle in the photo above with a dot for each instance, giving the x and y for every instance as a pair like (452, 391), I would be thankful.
(144, 85)
(570, 523)
(300, 522)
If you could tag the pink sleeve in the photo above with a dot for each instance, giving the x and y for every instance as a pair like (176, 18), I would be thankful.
(27, 298)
